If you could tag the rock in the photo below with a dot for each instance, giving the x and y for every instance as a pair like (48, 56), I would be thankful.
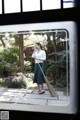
(30, 75)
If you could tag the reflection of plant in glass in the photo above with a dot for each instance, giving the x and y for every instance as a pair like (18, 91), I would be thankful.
(2, 82)
(58, 57)
(56, 44)
(8, 58)
(16, 82)
(27, 66)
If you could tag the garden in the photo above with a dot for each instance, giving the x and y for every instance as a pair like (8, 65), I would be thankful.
(17, 65)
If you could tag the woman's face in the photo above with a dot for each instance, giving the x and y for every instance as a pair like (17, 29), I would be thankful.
(37, 47)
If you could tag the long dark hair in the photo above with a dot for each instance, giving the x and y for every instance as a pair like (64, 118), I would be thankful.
(39, 44)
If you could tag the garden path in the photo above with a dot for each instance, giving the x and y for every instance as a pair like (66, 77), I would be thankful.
(31, 96)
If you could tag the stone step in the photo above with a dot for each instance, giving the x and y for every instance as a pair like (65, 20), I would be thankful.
(1, 93)
(60, 93)
(64, 98)
(36, 92)
(2, 89)
(31, 101)
(58, 102)
(16, 90)
(20, 93)
(5, 98)
(34, 100)
(40, 96)
(12, 94)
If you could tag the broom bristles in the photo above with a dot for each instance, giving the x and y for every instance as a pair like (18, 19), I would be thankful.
(51, 89)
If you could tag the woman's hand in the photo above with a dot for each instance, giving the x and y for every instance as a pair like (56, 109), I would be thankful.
(36, 58)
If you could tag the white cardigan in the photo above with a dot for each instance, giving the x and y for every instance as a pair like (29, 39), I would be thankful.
(40, 55)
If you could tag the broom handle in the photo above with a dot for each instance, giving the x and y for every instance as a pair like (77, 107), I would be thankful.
(52, 91)
(41, 70)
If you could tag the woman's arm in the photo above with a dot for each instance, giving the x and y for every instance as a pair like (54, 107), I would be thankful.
(33, 55)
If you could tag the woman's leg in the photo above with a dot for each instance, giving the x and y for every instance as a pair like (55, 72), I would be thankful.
(41, 88)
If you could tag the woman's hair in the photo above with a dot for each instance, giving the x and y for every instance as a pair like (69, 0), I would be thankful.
(39, 45)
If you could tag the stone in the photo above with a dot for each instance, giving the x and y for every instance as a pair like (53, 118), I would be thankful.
(12, 94)
(30, 101)
(38, 96)
(57, 103)
(5, 98)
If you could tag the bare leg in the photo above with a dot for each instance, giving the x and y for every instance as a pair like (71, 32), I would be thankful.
(41, 89)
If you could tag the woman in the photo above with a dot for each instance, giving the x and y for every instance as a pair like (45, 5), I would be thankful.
(39, 56)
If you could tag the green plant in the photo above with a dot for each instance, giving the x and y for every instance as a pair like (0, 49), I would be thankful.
(2, 82)
(2, 64)
(27, 66)
(9, 60)
(62, 81)
(58, 70)
(58, 73)
(54, 71)
(16, 82)
(10, 55)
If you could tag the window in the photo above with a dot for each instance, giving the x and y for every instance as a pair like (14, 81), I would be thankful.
(0, 6)
(14, 6)
(11, 6)
(31, 5)
(68, 3)
(59, 40)
(51, 4)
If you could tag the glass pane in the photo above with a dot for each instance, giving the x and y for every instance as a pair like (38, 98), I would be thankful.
(0, 6)
(68, 3)
(23, 77)
(55, 44)
(11, 6)
(31, 5)
(51, 4)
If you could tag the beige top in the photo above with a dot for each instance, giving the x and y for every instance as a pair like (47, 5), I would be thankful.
(40, 55)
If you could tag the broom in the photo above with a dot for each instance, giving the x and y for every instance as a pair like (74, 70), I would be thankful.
(51, 89)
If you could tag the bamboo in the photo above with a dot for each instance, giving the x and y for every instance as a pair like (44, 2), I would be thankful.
(51, 89)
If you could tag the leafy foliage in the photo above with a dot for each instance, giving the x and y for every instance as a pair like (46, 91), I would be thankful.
(27, 66)
(57, 70)
(62, 81)
(8, 57)
(53, 70)
(2, 81)
(16, 82)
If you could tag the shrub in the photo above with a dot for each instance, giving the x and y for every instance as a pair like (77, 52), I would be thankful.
(9, 57)
(53, 71)
(2, 64)
(16, 82)
(58, 74)
(27, 66)
(2, 82)
(61, 82)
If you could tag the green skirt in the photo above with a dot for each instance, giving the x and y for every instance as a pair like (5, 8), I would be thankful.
(38, 76)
